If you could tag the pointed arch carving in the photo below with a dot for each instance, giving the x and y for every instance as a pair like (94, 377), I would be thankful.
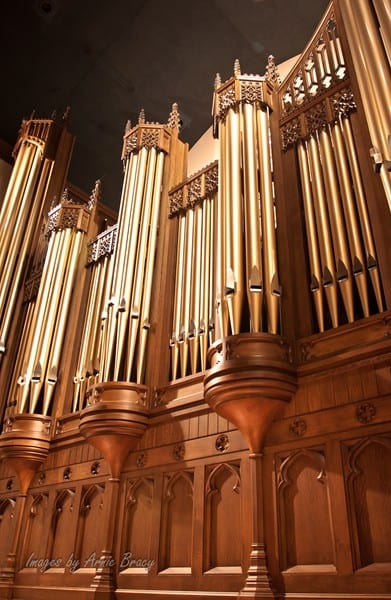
(36, 527)
(7, 513)
(61, 542)
(137, 530)
(304, 507)
(177, 520)
(222, 500)
(367, 468)
(89, 529)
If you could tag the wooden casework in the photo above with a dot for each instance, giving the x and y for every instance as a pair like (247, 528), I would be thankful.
(215, 418)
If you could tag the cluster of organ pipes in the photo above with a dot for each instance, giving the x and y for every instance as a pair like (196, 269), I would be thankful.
(114, 343)
(247, 266)
(41, 345)
(20, 213)
(193, 311)
(340, 242)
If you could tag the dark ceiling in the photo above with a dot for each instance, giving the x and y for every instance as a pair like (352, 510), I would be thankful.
(108, 59)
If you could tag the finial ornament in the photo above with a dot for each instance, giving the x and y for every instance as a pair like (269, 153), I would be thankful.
(53, 116)
(95, 194)
(217, 80)
(174, 119)
(237, 70)
(271, 73)
(128, 126)
(66, 114)
(141, 117)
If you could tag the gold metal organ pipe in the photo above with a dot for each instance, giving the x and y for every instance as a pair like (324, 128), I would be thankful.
(123, 298)
(205, 278)
(196, 289)
(13, 236)
(340, 244)
(47, 326)
(176, 329)
(13, 198)
(323, 228)
(120, 253)
(38, 318)
(210, 311)
(62, 311)
(310, 220)
(221, 319)
(15, 387)
(383, 12)
(373, 76)
(366, 230)
(254, 271)
(99, 349)
(148, 282)
(23, 251)
(351, 220)
(234, 229)
(271, 279)
(140, 260)
(185, 309)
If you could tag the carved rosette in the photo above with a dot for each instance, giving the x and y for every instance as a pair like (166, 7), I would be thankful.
(114, 420)
(250, 381)
(24, 445)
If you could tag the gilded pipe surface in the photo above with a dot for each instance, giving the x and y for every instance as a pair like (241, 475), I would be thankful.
(15, 388)
(13, 235)
(351, 220)
(197, 289)
(369, 245)
(48, 323)
(221, 319)
(149, 266)
(18, 272)
(205, 278)
(185, 308)
(254, 274)
(372, 74)
(271, 286)
(383, 13)
(338, 230)
(323, 228)
(233, 288)
(62, 314)
(118, 351)
(120, 253)
(310, 221)
(210, 311)
(40, 308)
(88, 330)
(179, 284)
(99, 349)
(11, 204)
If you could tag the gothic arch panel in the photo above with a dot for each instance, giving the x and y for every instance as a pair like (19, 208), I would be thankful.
(369, 490)
(62, 525)
(35, 541)
(304, 511)
(223, 517)
(90, 530)
(138, 518)
(7, 513)
(177, 521)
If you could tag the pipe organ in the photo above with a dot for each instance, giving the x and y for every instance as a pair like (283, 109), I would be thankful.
(192, 391)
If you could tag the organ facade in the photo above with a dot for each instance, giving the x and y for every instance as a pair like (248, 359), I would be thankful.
(195, 396)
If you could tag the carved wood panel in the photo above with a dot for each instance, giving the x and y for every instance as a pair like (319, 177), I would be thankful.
(36, 530)
(62, 543)
(137, 530)
(368, 469)
(305, 530)
(177, 521)
(90, 530)
(7, 513)
(222, 533)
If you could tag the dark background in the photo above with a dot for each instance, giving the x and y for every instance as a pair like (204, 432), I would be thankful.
(107, 59)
